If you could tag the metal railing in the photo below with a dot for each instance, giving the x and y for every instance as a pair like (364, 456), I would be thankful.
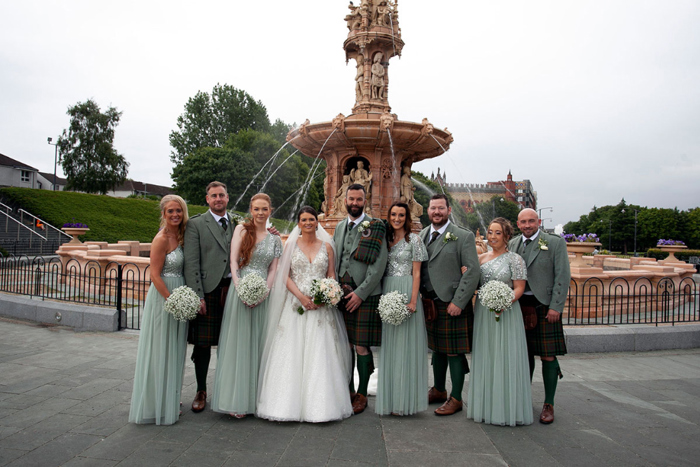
(17, 237)
(114, 285)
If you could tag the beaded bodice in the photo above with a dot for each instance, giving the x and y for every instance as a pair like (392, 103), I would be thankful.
(263, 254)
(304, 272)
(403, 254)
(174, 263)
(506, 268)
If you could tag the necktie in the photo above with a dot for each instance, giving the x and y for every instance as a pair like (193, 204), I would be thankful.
(528, 241)
(433, 236)
(223, 223)
(350, 226)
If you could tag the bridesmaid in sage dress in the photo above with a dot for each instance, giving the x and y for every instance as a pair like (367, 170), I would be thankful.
(253, 251)
(499, 386)
(403, 361)
(160, 359)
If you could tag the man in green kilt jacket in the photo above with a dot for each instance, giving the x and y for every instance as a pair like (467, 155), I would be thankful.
(361, 256)
(450, 248)
(548, 277)
(208, 272)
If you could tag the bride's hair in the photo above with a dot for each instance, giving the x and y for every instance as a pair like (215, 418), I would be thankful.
(309, 210)
(249, 235)
(185, 217)
(390, 233)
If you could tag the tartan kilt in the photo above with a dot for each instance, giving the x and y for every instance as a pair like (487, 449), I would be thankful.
(205, 329)
(451, 334)
(364, 326)
(546, 339)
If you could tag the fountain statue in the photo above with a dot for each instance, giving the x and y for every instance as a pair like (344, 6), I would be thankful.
(371, 146)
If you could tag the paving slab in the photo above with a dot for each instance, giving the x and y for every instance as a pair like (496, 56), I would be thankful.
(64, 400)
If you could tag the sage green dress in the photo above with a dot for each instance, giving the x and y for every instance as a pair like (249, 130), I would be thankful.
(402, 386)
(241, 340)
(160, 360)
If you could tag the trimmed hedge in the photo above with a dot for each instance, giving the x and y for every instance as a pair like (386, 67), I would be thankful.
(681, 255)
(109, 219)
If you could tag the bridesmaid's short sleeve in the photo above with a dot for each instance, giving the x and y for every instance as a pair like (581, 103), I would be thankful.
(518, 270)
(278, 245)
(420, 253)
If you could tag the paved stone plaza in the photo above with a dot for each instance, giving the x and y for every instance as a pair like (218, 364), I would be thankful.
(64, 400)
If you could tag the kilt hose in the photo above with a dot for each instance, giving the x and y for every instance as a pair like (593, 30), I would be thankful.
(450, 334)
(364, 325)
(204, 330)
(546, 339)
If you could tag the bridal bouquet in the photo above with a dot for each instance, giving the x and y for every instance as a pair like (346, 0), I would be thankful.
(325, 291)
(497, 296)
(392, 308)
(252, 289)
(183, 303)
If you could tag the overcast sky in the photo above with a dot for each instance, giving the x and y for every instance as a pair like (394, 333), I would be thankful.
(592, 101)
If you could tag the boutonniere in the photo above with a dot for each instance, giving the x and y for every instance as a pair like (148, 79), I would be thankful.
(363, 226)
(449, 237)
(542, 243)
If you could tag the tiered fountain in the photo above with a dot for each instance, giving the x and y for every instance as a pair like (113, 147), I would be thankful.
(371, 146)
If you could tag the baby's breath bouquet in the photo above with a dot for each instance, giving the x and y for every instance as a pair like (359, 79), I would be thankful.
(326, 291)
(252, 289)
(392, 308)
(497, 297)
(183, 303)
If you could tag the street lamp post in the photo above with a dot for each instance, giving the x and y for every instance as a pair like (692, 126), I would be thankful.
(55, 160)
(635, 233)
(539, 214)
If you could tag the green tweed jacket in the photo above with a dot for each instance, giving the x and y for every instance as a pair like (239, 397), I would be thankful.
(368, 277)
(548, 273)
(445, 263)
(207, 252)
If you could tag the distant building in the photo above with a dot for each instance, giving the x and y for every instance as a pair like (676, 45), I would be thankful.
(132, 187)
(16, 173)
(470, 194)
(45, 182)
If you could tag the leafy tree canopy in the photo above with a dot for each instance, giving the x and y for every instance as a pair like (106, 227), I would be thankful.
(88, 157)
(210, 119)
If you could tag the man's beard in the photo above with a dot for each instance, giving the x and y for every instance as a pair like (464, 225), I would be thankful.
(443, 222)
(354, 211)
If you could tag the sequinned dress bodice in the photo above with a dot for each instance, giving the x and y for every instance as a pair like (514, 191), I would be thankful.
(304, 272)
(505, 268)
(403, 254)
(174, 263)
(263, 254)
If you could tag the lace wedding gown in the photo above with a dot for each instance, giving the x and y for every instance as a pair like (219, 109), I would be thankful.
(306, 377)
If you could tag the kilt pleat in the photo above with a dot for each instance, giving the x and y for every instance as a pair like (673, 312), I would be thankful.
(364, 326)
(451, 334)
(205, 329)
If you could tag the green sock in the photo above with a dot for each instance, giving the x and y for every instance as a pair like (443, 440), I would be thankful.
(352, 370)
(457, 372)
(364, 368)
(550, 375)
(439, 362)
(201, 357)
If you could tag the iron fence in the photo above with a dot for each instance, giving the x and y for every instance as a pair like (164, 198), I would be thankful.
(114, 285)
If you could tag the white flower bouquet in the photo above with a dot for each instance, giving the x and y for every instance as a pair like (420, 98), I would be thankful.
(252, 289)
(183, 303)
(497, 297)
(392, 308)
(325, 291)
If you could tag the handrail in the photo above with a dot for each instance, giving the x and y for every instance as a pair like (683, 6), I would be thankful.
(44, 222)
(22, 225)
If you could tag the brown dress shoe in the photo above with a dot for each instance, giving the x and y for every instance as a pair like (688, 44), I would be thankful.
(199, 402)
(435, 396)
(450, 407)
(359, 404)
(547, 415)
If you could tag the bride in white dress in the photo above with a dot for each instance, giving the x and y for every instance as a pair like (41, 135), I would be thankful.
(305, 368)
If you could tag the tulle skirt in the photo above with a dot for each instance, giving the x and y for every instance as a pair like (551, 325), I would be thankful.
(160, 362)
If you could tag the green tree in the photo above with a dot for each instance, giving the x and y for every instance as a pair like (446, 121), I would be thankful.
(87, 154)
(210, 119)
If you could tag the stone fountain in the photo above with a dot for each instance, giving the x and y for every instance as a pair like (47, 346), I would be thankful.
(371, 146)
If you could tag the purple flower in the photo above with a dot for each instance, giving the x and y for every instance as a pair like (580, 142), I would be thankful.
(589, 237)
(663, 242)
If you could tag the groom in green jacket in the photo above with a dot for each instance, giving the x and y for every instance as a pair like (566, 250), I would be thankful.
(449, 249)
